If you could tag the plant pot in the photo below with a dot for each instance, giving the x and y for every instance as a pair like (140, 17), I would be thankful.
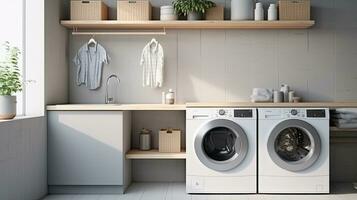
(7, 107)
(191, 16)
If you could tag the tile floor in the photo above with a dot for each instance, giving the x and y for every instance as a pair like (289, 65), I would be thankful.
(176, 191)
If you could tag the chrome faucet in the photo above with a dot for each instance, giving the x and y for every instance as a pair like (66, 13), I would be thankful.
(110, 100)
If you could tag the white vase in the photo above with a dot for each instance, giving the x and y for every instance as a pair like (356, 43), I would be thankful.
(242, 9)
(7, 107)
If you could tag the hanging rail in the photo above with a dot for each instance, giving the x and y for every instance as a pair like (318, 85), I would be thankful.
(76, 32)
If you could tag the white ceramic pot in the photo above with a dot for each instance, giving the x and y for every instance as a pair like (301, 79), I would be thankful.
(242, 9)
(7, 107)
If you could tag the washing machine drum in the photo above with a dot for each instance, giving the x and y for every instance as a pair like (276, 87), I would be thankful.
(221, 144)
(294, 145)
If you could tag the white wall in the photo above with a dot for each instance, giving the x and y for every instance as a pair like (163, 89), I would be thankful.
(23, 165)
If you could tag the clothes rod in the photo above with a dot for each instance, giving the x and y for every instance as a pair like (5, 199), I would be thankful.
(119, 33)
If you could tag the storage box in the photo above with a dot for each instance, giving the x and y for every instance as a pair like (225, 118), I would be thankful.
(215, 13)
(294, 9)
(88, 10)
(134, 10)
(170, 140)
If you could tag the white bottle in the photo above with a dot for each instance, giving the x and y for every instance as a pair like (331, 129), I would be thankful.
(259, 12)
(163, 97)
(170, 97)
(272, 13)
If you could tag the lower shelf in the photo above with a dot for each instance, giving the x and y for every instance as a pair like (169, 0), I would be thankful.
(335, 129)
(154, 154)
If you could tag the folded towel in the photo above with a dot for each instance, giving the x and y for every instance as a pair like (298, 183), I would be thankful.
(261, 95)
(346, 116)
(346, 110)
(346, 126)
(343, 121)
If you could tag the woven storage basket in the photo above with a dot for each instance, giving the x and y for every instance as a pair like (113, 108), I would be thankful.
(88, 10)
(215, 13)
(170, 140)
(294, 9)
(134, 10)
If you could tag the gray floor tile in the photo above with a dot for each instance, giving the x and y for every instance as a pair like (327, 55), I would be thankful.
(177, 191)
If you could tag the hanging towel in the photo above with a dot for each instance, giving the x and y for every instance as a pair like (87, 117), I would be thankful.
(152, 62)
(89, 61)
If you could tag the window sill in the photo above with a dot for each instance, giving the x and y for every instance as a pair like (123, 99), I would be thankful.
(21, 117)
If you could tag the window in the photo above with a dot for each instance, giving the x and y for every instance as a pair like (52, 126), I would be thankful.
(11, 21)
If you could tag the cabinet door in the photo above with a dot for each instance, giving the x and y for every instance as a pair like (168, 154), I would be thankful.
(85, 148)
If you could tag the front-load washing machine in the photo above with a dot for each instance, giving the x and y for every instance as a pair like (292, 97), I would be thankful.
(293, 155)
(221, 150)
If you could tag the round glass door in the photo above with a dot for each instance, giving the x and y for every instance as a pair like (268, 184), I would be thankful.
(294, 145)
(221, 144)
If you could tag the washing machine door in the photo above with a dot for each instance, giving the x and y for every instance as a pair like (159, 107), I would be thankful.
(221, 144)
(294, 145)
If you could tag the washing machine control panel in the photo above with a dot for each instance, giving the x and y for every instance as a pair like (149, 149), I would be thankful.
(294, 113)
(235, 113)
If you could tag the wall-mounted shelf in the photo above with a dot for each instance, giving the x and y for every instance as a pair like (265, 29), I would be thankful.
(154, 154)
(113, 24)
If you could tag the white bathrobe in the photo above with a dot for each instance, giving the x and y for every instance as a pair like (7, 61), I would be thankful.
(152, 62)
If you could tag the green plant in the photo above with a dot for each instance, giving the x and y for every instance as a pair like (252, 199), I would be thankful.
(183, 7)
(10, 78)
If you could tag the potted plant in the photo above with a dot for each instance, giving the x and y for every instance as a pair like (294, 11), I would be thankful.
(10, 81)
(193, 9)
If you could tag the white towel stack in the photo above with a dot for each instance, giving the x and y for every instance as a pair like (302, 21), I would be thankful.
(261, 95)
(344, 118)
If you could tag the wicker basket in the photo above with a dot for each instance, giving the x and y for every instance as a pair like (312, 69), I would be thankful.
(170, 140)
(88, 10)
(215, 13)
(134, 10)
(294, 9)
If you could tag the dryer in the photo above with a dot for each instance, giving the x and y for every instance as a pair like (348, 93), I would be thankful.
(221, 150)
(293, 155)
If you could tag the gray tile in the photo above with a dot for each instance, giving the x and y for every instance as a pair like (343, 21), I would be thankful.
(59, 197)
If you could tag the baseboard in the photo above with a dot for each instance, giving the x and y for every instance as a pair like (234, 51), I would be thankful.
(86, 189)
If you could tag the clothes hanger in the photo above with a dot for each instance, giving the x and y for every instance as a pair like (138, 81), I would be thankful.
(92, 41)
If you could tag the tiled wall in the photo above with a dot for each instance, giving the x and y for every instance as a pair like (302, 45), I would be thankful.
(224, 65)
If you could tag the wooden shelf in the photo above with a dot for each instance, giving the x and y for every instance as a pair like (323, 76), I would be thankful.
(113, 24)
(335, 129)
(154, 154)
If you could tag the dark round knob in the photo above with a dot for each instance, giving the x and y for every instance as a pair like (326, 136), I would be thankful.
(221, 112)
(294, 112)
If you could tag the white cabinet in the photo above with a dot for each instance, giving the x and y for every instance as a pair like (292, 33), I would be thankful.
(87, 148)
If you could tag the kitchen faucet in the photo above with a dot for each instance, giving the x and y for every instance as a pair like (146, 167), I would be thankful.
(110, 100)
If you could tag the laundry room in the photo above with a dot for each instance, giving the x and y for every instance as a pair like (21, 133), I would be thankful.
(178, 99)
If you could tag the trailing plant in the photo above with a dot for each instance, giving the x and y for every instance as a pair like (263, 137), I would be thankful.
(183, 7)
(10, 77)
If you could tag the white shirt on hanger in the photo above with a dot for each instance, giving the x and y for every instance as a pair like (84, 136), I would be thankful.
(152, 62)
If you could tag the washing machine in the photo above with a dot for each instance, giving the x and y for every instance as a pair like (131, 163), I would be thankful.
(221, 150)
(293, 155)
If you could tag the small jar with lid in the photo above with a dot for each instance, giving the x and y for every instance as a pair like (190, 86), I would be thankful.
(170, 97)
